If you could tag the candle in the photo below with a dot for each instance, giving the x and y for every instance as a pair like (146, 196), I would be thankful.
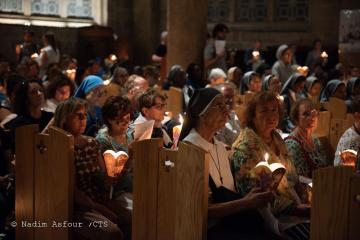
(256, 54)
(303, 70)
(34, 55)
(324, 55)
(266, 157)
(113, 57)
(177, 131)
(114, 162)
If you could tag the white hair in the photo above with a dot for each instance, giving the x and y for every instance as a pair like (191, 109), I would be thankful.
(216, 73)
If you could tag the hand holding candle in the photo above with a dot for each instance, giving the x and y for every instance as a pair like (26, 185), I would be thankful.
(256, 55)
(324, 55)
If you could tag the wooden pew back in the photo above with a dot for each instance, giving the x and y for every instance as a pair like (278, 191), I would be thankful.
(44, 181)
(170, 192)
(335, 212)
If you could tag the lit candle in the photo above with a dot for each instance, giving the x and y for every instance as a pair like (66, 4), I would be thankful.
(324, 55)
(114, 162)
(256, 54)
(266, 157)
(303, 70)
(113, 57)
(177, 131)
(34, 55)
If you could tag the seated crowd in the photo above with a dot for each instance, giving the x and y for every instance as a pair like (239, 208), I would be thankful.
(278, 121)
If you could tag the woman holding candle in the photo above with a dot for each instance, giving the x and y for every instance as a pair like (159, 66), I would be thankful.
(207, 113)
(258, 138)
(113, 136)
(90, 195)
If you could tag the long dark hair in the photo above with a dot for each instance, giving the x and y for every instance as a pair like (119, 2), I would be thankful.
(50, 37)
(21, 96)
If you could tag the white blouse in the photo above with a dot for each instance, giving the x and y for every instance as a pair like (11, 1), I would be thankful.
(219, 164)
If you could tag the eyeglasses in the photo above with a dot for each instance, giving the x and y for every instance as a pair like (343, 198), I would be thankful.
(123, 121)
(312, 113)
(80, 116)
(160, 106)
(221, 107)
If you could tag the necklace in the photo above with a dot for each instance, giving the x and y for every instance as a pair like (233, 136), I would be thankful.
(308, 144)
(217, 166)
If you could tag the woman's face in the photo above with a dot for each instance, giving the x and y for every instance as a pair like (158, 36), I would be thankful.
(35, 94)
(120, 123)
(255, 84)
(216, 115)
(287, 56)
(266, 117)
(275, 85)
(62, 93)
(340, 92)
(76, 122)
(315, 89)
(308, 117)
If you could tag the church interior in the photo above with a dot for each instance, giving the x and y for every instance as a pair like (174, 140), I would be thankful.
(179, 119)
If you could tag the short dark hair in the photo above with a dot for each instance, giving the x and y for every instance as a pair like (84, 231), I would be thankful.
(113, 105)
(57, 82)
(147, 99)
(220, 27)
(294, 113)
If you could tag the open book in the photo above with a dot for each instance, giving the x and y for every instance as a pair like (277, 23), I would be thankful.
(143, 130)
(348, 157)
(219, 46)
(269, 175)
(114, 162)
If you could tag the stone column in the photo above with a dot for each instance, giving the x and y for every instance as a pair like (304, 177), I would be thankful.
(146, 29)
(186, 23)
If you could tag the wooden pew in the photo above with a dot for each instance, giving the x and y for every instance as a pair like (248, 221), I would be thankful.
(170, 192)
(44, 182)
(338, 127)
(323, 133)
(337, 107)
(335, 212)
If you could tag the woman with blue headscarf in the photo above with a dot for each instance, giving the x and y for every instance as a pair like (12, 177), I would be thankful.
(334, 88)
(92, 90)
(291, 92)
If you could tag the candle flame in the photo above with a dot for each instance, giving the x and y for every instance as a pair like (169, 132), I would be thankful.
(266, 157)
(324, 55)
(255, 53)
(35, 55)
(113, 57)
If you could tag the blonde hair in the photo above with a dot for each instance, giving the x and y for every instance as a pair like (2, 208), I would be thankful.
(66, 108)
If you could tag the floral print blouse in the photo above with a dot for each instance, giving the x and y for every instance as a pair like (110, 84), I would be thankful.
(249, 150)
(89, 176)
(305, 160)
